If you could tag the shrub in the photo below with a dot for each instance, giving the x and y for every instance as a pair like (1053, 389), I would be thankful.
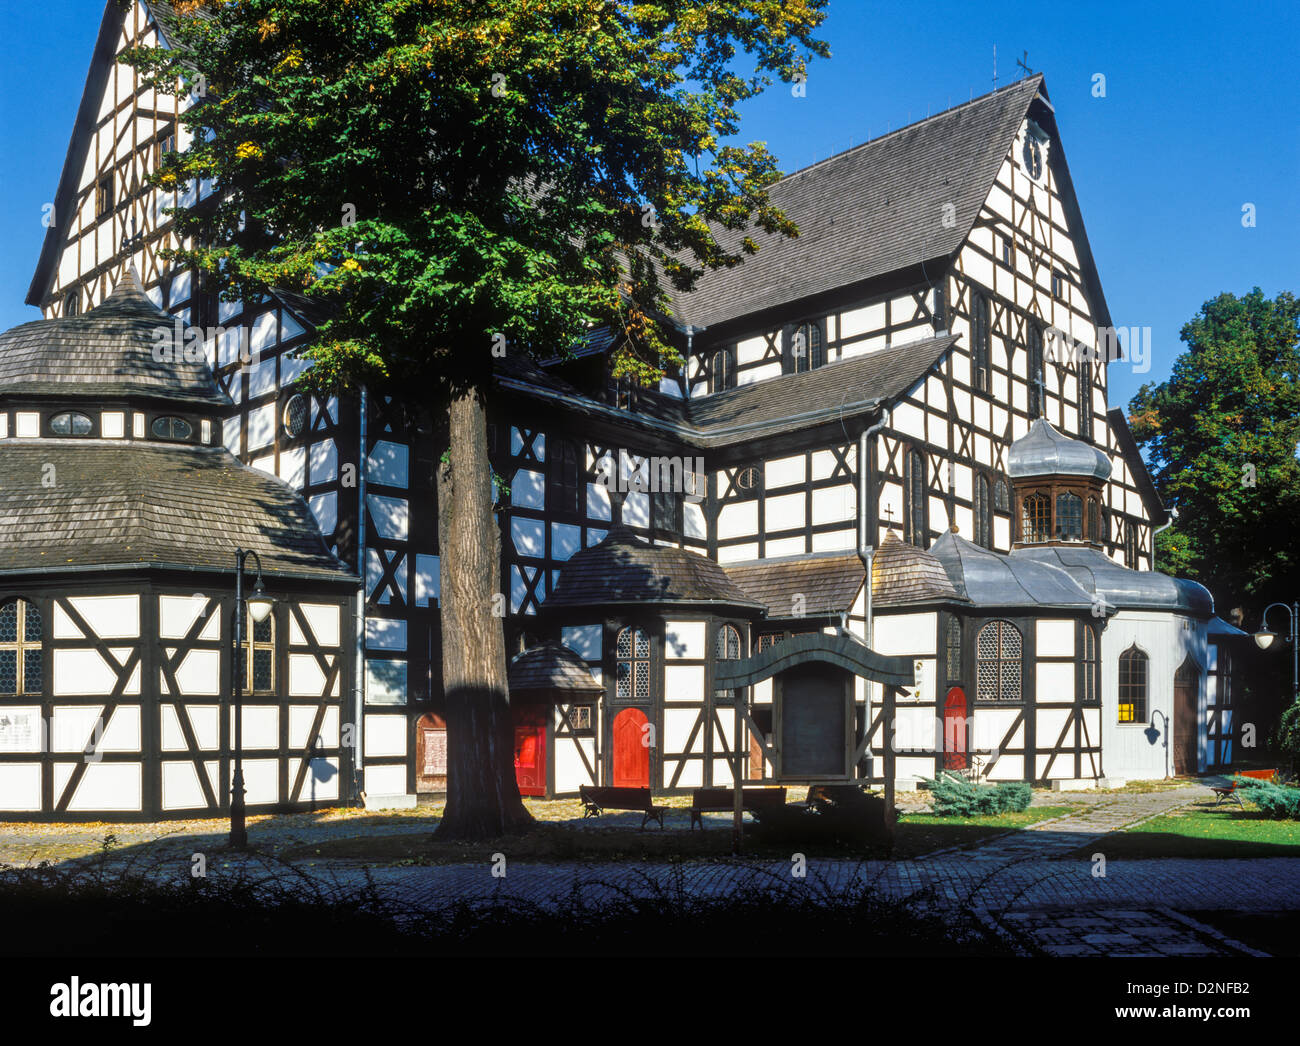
(1279, 802)
(955, 796)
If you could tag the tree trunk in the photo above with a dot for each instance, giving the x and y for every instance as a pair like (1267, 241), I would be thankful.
(482, 795)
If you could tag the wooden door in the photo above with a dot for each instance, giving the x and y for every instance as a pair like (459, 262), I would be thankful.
(631, 753)
(954, 730)
(1187, 685)
(530, 748)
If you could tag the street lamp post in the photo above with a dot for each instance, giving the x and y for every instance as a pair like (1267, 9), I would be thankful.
(1264, 639)
(259, 605)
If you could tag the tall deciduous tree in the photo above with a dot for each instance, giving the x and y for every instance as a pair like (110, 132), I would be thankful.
(455, 175)
(1221, 436)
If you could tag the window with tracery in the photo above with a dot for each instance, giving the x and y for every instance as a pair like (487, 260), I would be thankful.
(1069, 517)
(1132, 679)
(953, 650)
(998, 652)
(727, 649)
(1035, 519)
(259, 643)
(632, 671)
(20, 648)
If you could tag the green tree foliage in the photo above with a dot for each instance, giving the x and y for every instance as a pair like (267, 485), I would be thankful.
(454, 178)
(1221, 436)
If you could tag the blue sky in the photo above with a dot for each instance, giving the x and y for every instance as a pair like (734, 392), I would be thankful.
(1199, 118)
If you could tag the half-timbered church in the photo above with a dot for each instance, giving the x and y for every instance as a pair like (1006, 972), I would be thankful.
(894, 427)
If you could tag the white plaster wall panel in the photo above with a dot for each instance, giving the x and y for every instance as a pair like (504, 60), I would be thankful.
(915, 729)
(683, 683)
(108, 786)
(204, 722)
(22, 729)
(937, 430)
(905, 633)
(261, 725)
(1001, 533)
(27, 425)
(321, 782)
(636, 509)
(384, 736)
(823, 463)
(528, 489)
(693, 522)
(1055, 638)
(583, 640)
(122, 732)
(385, 633)
(909, 420)
(738, 519)
(385, 780)
(301, 718)
(64, 627)
(1048, 724)
(181, 789)
(261, 781)
(324, 462)
(385, 682)
(785, 547)
(261, 375)
(785, 472)
(924, 689)
(598, 502)
(784, 512)
(528, 536)
(685, 640)
(750, 350)
(261, 426)
(991, 726)
(82, 672)
(722, 774)
(391, 516)
(428, 580)
(388, 464)
(938, 514)
(323, 620)
(111, 617)
(891, 502)
(862, 320)
(172, 738)
(910, 769)
(20, 786)
(834, 504)
(692, 775)
(200, 673)
(566, 539)
(264, 464)
(678, 723)
(737, 553)
(293, 467)
(231, 437)
(1008, 768)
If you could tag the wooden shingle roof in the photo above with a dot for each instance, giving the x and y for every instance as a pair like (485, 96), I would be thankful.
(552, 667)
(828, 583)
(902, 573)
(871, 210)
(106, 353)
(130, 505)
(622, 569)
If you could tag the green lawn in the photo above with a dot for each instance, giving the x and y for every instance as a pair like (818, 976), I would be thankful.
(1204, 831)
(917, 834)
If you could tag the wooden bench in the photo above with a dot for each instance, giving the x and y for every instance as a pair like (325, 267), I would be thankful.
(703, 799)
(1229, 791)
(597, 799)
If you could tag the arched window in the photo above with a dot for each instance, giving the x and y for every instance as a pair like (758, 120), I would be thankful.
(259, 642)
(71, 304)
(997, 652)
(980, 343)
(722, 370)
(70, 424)
(20, 648)
(1090, 690)
(632, 675)
(1069, 517)
(1132, 686)
(727, 649)
(1035, 375)
(952, 648)
(1002, 496)
(1131, 544)
(1085, 399)
(983, 513)
(566, 492)
(172, 428)
(914, 519)
(806, 350)
(1035, 519)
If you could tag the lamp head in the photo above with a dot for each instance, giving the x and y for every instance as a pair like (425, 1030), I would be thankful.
(1264, 638)
(259, 603)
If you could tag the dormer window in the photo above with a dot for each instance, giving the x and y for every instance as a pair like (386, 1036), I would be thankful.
(805, 348)
(71, 424)
(172, 428)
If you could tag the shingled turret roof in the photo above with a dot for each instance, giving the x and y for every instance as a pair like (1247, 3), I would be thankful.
(622, 569)
(902, 573)
(550, 667)
(106, 353)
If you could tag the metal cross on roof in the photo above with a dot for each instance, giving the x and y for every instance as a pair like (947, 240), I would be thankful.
(1024, 63)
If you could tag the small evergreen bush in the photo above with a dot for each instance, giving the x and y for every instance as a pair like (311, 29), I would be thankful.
(955, 796)
(1279, 802)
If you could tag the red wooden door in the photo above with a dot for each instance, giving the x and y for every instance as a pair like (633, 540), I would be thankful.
(954, 730)
(631, 753)
(530, 756)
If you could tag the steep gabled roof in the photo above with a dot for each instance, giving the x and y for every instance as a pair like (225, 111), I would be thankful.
(1155, 506)
(871, 210)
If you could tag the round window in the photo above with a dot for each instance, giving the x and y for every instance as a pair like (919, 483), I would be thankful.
(296, 415)
(172, 428)
(70, 424)
(748, 478)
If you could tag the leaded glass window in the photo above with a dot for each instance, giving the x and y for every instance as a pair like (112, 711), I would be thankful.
(632, 674)
(1035, 519)
(1132, 681)
(983, 513)
(722, 371)
(172, 428)
(953, 648)
(917, 529)
(980, 343)
(1069, 517)
(1089, 664)
(997, 650)
(1001, 496)
(727, 649)
(807, 350)
(260, 642)
(1035, 374)
(1085, 399)
(1131, 545)
(20, 648)
(70, 424)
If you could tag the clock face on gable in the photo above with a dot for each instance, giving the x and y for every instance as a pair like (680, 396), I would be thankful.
(1033, 158)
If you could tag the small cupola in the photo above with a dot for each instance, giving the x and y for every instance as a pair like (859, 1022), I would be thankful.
(1059, 485)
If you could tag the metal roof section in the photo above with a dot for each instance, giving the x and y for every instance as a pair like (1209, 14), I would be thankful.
(1121, 587)
(989, 579)
(1043, 451)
